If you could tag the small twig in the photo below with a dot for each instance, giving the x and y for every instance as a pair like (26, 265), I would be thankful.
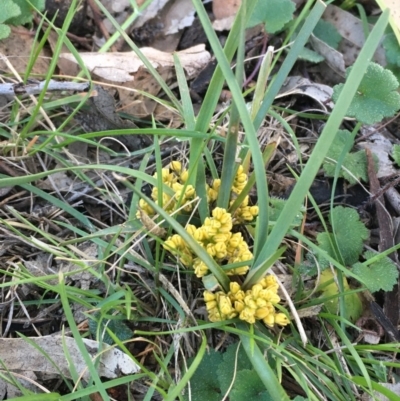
(99, 22)
(34, 87)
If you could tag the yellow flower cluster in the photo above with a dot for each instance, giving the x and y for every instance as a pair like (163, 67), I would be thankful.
(244, 213)
(216, 238)
(255, 304)
(175, 177)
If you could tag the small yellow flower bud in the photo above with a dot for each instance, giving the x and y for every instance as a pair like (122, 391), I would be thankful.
(212, 195)
(235, 240)
(245, 214)
(249, 302)
(270, 296)
(254, 210)
(184, 176)
(177, 187)
(191, 229)
(208, 296)
(269, 282)
(255, 290)
(210, 249)
(224, 304)
(239, 306)
(211, 305)
(269, 320)
(176, 166)
(216, 184)
(220, 250)
(247, 315)
(214, 315)
(239, 271)
(262, 313)
(261, 303)
(281, 319)
(169, 245)
(154, 193)
(221, 237)
(234, 287)
(200, 268)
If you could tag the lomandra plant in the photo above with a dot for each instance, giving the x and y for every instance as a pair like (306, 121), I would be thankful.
(266, 250)
(228, 249)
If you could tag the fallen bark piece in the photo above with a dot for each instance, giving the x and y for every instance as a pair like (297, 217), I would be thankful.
(121, 67)
(18, 354)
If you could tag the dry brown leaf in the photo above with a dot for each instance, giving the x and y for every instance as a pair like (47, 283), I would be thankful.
(18, 354)
(225, 8)
(17, 48)
(121, 67)
(351, 29)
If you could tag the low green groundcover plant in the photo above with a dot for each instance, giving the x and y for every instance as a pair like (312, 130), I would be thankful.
(17, 12)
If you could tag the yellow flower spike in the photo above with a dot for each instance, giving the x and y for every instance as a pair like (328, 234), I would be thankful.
(236, 294)
(281, 319)
(176, 245)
